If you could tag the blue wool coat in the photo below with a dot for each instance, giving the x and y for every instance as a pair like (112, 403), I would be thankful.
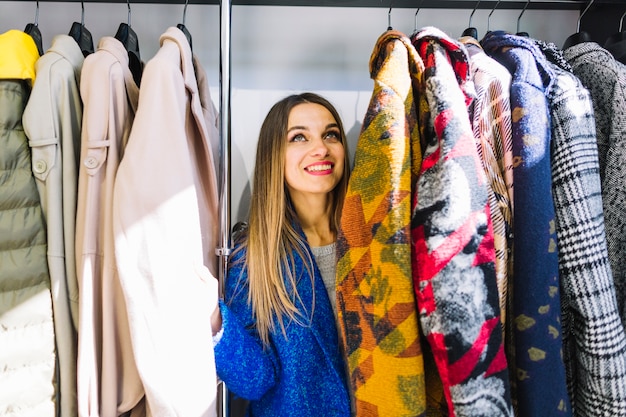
(535, 291)
(302, 372)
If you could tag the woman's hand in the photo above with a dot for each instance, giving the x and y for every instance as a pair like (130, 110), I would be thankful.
(216, 320)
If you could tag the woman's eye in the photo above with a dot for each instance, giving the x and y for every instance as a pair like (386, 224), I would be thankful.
(298, 138)
(334, 136)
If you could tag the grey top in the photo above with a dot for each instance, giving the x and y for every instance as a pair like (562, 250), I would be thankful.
(327, 263)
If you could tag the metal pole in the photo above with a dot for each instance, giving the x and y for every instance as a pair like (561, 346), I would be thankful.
(224, 178)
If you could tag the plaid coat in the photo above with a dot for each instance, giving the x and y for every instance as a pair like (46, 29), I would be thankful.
(593, 336)
(605, 78)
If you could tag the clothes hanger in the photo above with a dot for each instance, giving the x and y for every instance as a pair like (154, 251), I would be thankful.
(470, 30)
(129, 39)
(33, 30)
(489, 16)
(182, 26)
(389, 27)
(81, 35)
(578, 37)
(617, 37)
(415, 28)
(525, 34)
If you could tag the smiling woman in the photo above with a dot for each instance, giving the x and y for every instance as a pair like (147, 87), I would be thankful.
(275, 333)
(314, 162)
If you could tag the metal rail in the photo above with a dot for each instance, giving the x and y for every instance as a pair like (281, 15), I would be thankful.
(398, 4)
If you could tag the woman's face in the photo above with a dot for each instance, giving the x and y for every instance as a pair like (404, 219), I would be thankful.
(314, 155)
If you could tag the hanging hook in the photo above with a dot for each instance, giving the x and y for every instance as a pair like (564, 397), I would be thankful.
(185, 12)
(416, 12)
(520, 15)
(581, 15)
(389, 27)
(621, 21)
(37, 15)
(493, 10)
(128, 4)
(82, 13)
(472, 14)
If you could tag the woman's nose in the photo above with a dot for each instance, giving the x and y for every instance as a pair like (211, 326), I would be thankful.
(320, 148)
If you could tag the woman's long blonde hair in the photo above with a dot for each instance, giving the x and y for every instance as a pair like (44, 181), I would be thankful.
(273, 232)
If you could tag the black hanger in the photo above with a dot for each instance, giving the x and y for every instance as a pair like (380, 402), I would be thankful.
(33, 30)
(470, 30)
(578, 37)
(127, 36)
(519, 33)
(183, 28)
(81, 35)
(617, 37)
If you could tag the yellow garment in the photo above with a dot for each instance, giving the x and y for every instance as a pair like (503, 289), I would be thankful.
(18, 54)
(375, 295)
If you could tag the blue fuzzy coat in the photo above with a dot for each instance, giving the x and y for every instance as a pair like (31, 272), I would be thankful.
(540, 387)
(301, 373)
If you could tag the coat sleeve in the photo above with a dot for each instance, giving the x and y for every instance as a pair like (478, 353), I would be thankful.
(248, 369)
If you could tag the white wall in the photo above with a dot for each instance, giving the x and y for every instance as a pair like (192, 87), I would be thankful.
(277, 51)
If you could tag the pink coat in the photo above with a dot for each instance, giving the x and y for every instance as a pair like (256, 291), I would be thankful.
(166, 228)
(107, 376)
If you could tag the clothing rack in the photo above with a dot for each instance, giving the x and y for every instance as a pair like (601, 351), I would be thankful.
(225, 88)
(224, 175)
(427, 4)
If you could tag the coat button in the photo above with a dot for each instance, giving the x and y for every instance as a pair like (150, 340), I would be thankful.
(91, 162)
(40, 167)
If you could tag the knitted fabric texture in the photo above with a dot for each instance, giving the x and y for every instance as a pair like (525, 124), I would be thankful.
(301, 372)
(453, 259)
(593, 339)
(375, 296)
(536, 295)
(554, 55)
(605, 78)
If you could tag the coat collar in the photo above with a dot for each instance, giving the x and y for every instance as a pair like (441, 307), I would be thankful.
(66, 47)
(430, 39)
(176, 36)
(202, 109)
(116, 48)
(519, 54)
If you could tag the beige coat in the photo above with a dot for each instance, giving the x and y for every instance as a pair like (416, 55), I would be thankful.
(165, 222)
(52, 121)
(108, 383)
